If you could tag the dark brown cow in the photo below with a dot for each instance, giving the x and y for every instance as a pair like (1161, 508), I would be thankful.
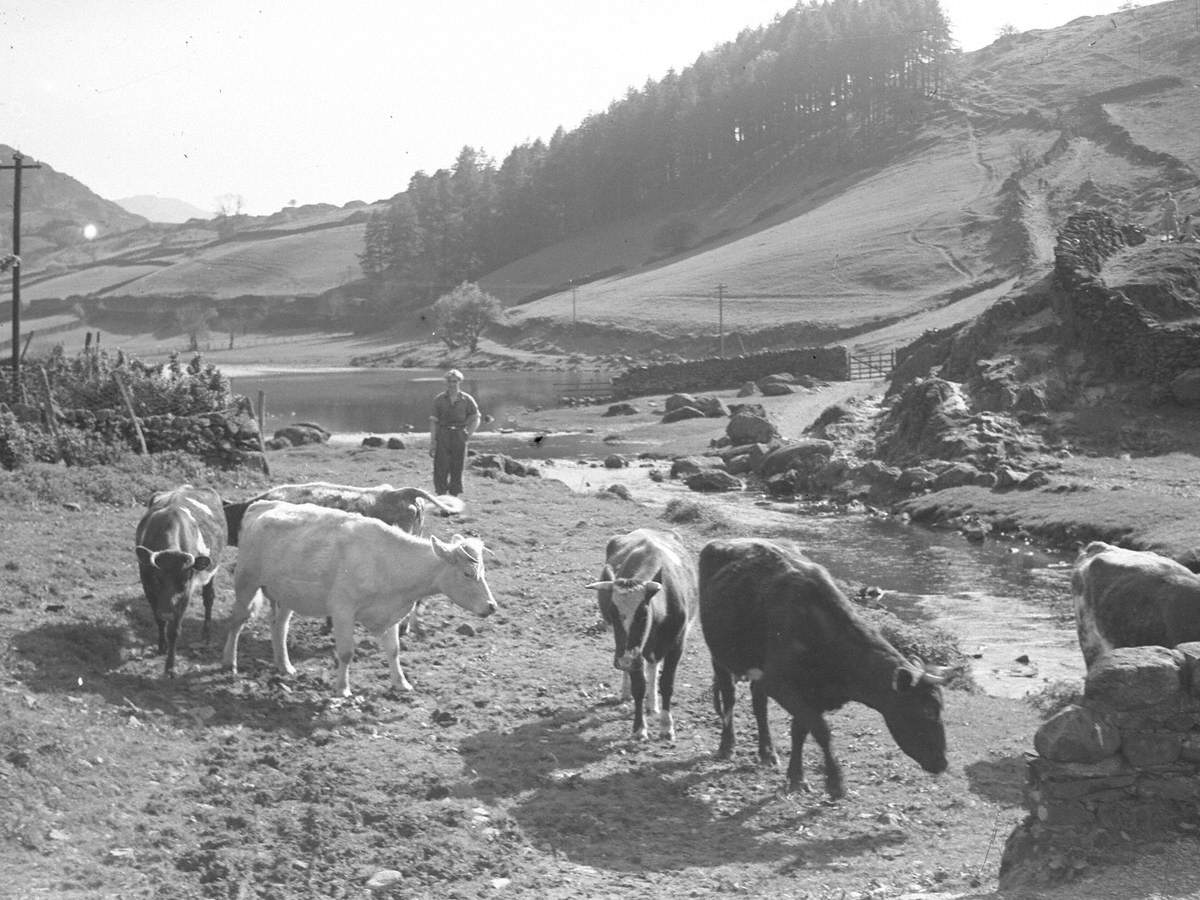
(1131, 598)
(647, 594)
(178, 543)
(774, 617)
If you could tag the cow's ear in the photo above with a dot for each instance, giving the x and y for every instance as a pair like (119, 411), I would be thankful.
(145, 557)
(651, 588)
(904, 679)
(202, 563)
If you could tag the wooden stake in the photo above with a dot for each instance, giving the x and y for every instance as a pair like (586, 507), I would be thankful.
(137, 428)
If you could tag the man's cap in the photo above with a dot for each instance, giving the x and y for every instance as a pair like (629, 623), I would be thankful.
(454, 373)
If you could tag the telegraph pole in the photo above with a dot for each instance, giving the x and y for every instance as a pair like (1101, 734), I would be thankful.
(721, 316)
(574, 327)
(18, 165)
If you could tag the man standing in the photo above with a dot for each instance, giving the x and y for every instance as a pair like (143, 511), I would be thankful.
(455, 418)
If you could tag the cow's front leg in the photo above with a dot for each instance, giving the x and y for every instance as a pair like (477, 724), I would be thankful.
(208, 593)
(173, 634)
(834, 786)
(389, 644)
(343, 647)
(280, 622)
(666, 686)
(652, 670)
(637, 683)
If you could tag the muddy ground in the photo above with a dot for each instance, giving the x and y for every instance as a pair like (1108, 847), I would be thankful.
(508, 771)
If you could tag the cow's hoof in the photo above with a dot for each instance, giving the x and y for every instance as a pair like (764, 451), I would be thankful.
(639, 734)
(769, 759)
(402, 687)
(799, 787)
(835, 789)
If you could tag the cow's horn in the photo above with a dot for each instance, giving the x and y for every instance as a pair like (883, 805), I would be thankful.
(599, 585)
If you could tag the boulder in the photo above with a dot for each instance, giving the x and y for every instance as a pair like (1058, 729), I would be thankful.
(956, 474)
(499, 462)
(372, 440)
(675, 401)
(621, 409)
(1131, 677)
(713, 481)
(712, 407)
(750, 429)
(775, 388)
(748, 389)
(394, 443)
(615, 461)
(1077, 734)
(796, 455)
(301, 433)
(680, 413)
(915, 479)
(752, 409)
(683, 466)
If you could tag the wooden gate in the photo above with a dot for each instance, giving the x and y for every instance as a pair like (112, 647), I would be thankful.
(865, 366)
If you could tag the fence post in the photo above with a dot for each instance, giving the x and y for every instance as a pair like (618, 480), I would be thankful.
(261, 414)
(137, 427)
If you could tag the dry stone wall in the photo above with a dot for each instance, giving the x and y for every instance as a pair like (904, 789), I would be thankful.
(1119, 335)
(1125, 761)
(828, 363)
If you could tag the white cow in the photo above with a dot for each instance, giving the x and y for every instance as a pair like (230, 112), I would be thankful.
(317, 561)
(1132, 598)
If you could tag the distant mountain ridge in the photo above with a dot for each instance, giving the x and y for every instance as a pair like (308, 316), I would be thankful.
(162, 209)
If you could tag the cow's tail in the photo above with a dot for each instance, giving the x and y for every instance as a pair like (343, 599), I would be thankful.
(234, 512)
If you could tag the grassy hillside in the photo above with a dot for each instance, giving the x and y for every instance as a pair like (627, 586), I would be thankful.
(1101, 112)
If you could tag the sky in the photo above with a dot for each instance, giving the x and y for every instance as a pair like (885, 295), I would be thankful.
(281, 101)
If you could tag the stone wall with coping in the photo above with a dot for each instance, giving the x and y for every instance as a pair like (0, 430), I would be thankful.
(1123, 761)
(1117, 334)
(827, 363)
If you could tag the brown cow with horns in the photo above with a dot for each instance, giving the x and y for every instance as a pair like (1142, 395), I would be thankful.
(774, 617)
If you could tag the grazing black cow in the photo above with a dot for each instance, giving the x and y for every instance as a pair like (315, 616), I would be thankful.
(647, 593)
(776, 618)
(1132, 598)
(178, 543)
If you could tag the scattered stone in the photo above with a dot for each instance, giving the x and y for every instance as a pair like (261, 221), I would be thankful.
(621, 409)
(384, 878)
(680, 413)
(744, 428)
(713, 481)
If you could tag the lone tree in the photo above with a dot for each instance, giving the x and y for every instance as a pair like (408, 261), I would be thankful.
(464, 314)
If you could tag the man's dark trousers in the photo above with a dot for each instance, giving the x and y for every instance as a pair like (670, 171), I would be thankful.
(449, 460)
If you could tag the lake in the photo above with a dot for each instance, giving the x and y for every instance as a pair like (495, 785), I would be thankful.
(355, 402)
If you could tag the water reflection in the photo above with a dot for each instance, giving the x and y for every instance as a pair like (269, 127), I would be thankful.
(385, 401)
